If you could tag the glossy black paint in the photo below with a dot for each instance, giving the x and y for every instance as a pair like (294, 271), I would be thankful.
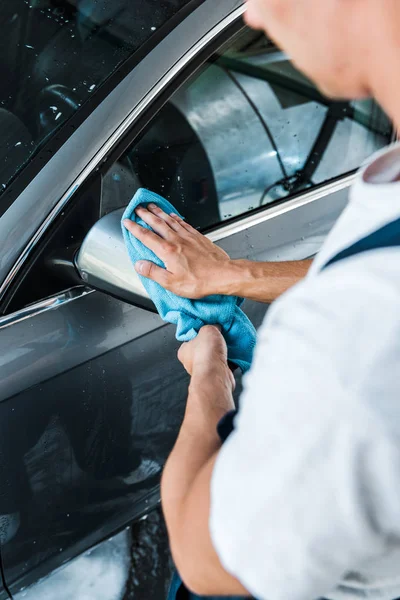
(91, 392)
(73, 445)
(81, 434)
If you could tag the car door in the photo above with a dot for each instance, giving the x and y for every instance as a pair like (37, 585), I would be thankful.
(92, 394)
(55, 500)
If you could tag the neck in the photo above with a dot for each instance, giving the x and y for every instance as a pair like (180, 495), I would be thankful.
(382, 58)
(388, 96)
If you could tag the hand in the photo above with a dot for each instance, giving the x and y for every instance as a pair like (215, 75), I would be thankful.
(206, 355)
(195, 267)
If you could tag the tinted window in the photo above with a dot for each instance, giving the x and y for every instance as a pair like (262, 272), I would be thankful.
(245, 132)
(54, 55)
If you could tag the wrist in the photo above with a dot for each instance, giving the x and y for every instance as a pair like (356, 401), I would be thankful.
(235, 278)
(210, 398)
(212, 380)
(214, 373)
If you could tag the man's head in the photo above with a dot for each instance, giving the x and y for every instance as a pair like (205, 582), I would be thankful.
(344, 46)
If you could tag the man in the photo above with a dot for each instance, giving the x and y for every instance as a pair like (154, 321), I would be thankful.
(303, 500)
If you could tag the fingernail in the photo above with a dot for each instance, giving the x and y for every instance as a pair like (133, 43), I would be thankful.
(174, 215)
(126, 222)
(139, 266)
(151, 205)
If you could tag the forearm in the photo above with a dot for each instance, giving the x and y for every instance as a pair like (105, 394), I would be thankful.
(263, 281)
(185, 489)
(209, 400)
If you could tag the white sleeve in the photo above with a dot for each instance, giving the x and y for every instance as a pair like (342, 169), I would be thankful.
(306, 486)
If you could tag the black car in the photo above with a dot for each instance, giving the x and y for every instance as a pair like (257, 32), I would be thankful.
(97, 99)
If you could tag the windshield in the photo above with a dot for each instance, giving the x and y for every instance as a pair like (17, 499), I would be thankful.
(54, 55)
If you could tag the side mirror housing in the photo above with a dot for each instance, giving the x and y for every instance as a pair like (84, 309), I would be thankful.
(103, 263)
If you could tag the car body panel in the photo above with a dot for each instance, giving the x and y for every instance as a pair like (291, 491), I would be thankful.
(104, 263)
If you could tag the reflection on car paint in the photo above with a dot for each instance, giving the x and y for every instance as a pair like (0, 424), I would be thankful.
(99, 574)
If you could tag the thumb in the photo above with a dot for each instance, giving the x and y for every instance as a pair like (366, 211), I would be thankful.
(152, 271)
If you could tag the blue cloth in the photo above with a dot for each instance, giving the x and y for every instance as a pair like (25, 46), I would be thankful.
(190, 316)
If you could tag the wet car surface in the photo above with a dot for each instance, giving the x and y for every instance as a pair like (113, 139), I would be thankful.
(133, 565)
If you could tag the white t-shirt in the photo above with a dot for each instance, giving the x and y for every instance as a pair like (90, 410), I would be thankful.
(305, 499)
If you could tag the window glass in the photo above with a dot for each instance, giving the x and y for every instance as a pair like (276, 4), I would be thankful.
(245, 132)
(54, 56)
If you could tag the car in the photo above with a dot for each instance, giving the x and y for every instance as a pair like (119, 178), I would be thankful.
(99, 98)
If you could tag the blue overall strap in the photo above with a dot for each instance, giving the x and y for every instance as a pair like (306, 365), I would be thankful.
(387, 236)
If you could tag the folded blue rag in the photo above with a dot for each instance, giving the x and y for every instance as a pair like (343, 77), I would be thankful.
(191, 315)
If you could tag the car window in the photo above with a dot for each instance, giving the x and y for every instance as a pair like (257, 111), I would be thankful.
(55, 54)
(246, 131)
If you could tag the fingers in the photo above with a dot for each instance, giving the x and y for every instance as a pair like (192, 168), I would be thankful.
(181, 352)
(158, 225)
(174, 224)
(185, 356)
(163, 224)
(152, 271)
(183, 223)
(211, 329)
(150, 239)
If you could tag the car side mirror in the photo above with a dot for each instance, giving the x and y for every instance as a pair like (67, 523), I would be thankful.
(103, 263)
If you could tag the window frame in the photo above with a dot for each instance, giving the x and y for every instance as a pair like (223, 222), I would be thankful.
(218, 231)
(131, 125)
